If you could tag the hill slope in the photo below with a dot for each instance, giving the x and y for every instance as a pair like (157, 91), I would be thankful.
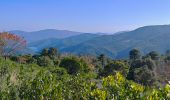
(146, 39)
(62, 43)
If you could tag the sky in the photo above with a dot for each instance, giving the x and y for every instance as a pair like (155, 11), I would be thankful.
(105, 16)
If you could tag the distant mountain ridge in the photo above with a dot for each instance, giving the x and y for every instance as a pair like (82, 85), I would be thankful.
(45, 34)
(62, 43)
(147, 38)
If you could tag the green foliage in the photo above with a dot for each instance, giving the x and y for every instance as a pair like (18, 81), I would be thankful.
(31, 82)
(102, 59)
(134, 54)
(142, 71)
(48, 57)
(167, 58)
(75, 79)
(144, 76)
(72, 65)
(116, 66)
(154, 55)
(59, 73)
(44, 52)
(119, 88)
(45, 61)
(53, 53)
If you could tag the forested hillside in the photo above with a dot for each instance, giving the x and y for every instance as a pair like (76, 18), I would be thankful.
(148, 38)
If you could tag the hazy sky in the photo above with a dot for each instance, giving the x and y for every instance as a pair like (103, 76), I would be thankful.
(82, 15)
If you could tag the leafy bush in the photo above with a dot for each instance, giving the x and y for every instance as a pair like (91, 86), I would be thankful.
(73, 65)
(116, 66)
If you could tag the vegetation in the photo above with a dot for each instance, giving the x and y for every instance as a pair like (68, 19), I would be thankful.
(50, 75)
(10, 44)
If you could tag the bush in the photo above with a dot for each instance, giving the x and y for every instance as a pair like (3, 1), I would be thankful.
(116, 66)
(45, 61)
(73, 65)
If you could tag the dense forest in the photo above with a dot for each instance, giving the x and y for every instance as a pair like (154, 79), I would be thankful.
(51, 75)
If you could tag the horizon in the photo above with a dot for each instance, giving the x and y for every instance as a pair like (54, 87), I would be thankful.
(88, 32)
(82, 16)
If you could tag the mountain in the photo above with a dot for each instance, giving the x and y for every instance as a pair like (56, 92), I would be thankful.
(45, 34)
(146, 39)
(62, 43)
(118, 45)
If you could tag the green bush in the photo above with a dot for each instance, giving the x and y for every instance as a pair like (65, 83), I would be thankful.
(74, 65)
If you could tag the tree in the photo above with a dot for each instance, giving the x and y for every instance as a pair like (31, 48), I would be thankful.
(154, 55)
(144, 76)
(59, 73)
(102, 59)
(134, 54)
(53, 53)
(72, 65)
(44, 61)
(116, 66)
(44, 52)
(167, 53)
(10, 44)
(142, 71)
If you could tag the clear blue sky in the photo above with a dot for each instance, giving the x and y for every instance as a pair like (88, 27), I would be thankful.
(82, 15)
